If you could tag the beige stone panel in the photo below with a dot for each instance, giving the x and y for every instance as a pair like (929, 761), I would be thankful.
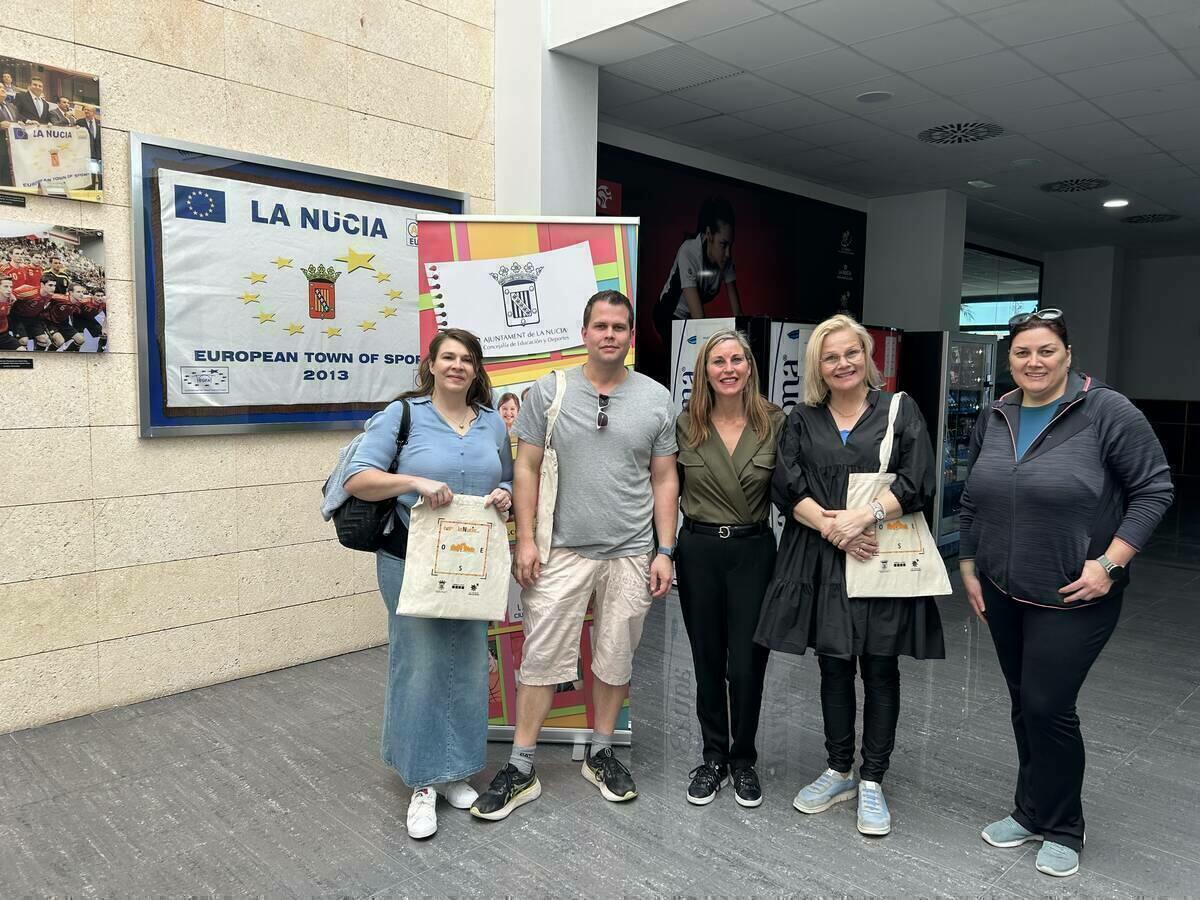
(291, 128)
(469, 110)
(143, 599)
(472, 167)
(302, 573)
(278, 515)
(124, 465)
(47, 614)
(481, 206)
(288, 457)
(45, 210)
(114, 148)
(399, 29)
(36, 48)
(413, 94)
(138, 95)
(114, 222)
(296, 634)
(477, 12)
(283, 59)
(185, 33)
(304, 15)
(145, 666)
(52, 448)
(397, 150)
(119, 321)
(112, 388)
(469, 52)
(47, 687)
(46, 539)
(439, 5)
(133, 531)
(53, 394)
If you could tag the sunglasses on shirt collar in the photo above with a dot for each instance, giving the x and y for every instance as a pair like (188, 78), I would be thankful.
(601, 411)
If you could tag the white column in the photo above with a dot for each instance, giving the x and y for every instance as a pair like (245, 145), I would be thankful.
(914, 261)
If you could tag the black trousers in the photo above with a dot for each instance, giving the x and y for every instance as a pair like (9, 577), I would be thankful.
(1045, 654)
(721, 587)
(881, 711)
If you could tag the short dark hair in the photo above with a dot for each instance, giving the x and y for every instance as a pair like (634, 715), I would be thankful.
(49, 279)
(6, 278)
(1058, 326)
(714, 211)
(616, 298)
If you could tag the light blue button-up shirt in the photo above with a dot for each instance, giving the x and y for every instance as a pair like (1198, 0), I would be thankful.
(474, 464)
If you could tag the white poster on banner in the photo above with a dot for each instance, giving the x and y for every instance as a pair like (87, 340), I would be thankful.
(278, 296)
(785, 388)
(49, 157)
(497, 299)
(687, 337)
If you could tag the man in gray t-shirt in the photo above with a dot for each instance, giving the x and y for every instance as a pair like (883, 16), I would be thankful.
(617, 487)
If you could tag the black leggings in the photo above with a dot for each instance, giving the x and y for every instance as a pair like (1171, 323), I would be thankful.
(881, 711)
(1045, 654)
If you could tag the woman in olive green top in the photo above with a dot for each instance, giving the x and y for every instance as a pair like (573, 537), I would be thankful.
(725, 556)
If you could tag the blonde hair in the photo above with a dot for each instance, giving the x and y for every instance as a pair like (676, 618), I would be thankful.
(815, 388)
(699, 412)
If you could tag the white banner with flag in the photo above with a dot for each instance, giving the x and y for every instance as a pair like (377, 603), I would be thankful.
(50, 158)
(273, 296)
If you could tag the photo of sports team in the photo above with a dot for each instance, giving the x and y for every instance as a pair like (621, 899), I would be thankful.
(52, 289)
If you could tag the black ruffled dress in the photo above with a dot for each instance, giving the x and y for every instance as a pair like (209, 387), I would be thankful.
(806, 605)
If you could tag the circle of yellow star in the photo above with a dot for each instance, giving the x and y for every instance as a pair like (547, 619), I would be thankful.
(383, 276)
(256, 277)
(294, 329)
(249, 298)
(395, 295)
(355, 260)
(282, 263)
(333, 332)
(366, 326)
(388, 311)
(265, 317)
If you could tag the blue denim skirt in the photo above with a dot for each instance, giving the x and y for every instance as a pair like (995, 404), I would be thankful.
(435, 713)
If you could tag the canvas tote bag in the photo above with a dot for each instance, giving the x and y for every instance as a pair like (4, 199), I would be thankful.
(458, 562)
(908, 564)
(548, 479)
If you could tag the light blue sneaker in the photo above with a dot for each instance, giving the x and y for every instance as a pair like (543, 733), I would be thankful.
(873, 815)
(830, 788)
(1057, 860)
(1008, 833)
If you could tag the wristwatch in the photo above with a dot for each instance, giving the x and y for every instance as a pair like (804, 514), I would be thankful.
(877, 510)
(668, 552)
(1116, 573)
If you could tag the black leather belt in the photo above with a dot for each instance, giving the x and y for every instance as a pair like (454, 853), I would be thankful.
(726, 531)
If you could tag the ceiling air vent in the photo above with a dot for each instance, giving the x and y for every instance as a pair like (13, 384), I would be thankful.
(1150, 218)
(960, 133)
(1074, 185)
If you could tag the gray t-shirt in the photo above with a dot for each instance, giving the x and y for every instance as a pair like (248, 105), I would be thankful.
(605, 503)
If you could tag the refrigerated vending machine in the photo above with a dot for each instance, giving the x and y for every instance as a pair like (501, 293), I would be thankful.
(952, 378)
(887, 353)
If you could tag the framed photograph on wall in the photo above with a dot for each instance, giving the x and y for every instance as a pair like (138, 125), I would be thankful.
(50, 141)
(271, 295)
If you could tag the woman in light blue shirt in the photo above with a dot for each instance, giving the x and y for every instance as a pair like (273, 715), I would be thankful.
(435, 716)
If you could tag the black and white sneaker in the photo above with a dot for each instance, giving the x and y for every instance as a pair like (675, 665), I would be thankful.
(508, 790)
(707, 779)
(609, 774)
(746, 790)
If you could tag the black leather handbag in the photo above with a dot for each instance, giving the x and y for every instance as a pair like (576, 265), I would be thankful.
(360, 524)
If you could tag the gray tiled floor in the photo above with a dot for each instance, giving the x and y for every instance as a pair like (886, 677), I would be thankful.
(271, 786)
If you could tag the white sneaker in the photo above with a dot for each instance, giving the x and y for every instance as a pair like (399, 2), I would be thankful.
(458, 794)
(422, 813)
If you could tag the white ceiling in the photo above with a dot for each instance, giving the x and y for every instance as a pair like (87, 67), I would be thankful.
(1104, 88)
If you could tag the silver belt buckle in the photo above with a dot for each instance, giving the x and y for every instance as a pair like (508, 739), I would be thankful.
(724, 531)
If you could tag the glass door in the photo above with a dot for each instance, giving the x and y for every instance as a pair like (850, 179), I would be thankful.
(970, 376)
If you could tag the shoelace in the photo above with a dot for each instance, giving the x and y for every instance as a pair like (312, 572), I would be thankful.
(871, 800)
(710, 773)
(743, 779)
(503, 781)
(611, 766)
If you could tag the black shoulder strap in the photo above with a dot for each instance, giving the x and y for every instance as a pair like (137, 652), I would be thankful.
(401, 436)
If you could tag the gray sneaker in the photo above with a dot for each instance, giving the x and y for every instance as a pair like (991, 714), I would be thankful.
(829, 788)
(1057, 860)
(1008, 833)
(873, 815)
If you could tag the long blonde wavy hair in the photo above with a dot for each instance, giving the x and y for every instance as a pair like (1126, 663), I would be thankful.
(699, 413)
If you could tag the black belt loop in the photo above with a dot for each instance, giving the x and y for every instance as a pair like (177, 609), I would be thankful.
(726, 531)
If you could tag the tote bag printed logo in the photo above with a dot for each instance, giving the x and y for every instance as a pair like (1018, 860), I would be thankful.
(462, 550)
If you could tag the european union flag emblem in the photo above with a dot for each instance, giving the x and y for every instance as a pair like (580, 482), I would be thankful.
(199, 203)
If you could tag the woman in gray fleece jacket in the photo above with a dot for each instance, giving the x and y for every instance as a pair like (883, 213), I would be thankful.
(1067, 483)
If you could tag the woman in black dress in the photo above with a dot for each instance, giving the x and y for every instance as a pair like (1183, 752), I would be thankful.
(837, 430)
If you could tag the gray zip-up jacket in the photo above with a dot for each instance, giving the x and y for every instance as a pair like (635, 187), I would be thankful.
(1097, 471)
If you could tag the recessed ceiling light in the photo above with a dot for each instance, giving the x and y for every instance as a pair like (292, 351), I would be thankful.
(980, 183)
(1115, 204)
(874, 96)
